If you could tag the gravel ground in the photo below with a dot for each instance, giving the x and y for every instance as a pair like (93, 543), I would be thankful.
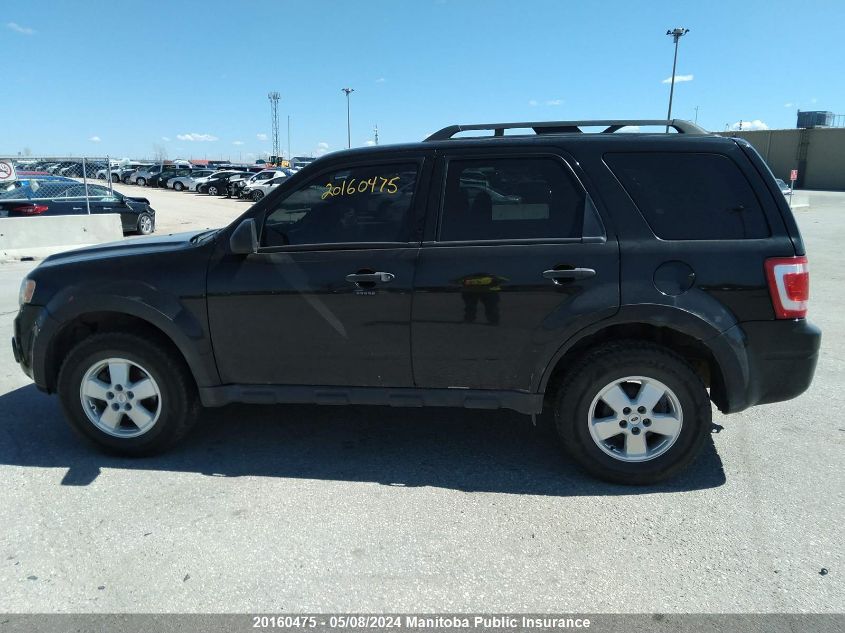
(296, 508)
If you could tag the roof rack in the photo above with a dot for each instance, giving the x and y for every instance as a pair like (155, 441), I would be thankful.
(568, 127)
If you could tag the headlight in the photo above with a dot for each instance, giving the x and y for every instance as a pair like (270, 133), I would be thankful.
(27, 290)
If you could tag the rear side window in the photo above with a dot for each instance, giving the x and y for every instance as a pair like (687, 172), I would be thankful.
(691, 196)
(511, 198)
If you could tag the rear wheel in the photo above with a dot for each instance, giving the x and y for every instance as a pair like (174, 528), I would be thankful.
(141, 181)
(127, 394)
(633, 413)
(126, 180)
(115, 178)
(213, 190)
(145, 224)
(257, 195)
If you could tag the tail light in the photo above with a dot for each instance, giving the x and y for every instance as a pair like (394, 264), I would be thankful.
(789, 286)
(30, 209)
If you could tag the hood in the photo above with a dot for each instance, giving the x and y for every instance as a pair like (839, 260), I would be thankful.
(155, 244)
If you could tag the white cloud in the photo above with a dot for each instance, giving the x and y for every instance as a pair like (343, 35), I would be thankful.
(370, 143)
(261, 137)
(166, 139)
(755, 124)
(194, 136)
(532, 102)
(237, 142)
(788, 105)
(554, 102)
(813, 100)
(95, 139)
(23, 30)
(322, 148)
(380, 80)
(678, 79)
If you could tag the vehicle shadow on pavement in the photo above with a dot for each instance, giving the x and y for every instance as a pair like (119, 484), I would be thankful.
(473, 451)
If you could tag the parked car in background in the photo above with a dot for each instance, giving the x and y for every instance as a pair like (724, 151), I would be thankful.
(258, 190)
(219, 185)
(69, 198)
(784, 188)
(75, 169)
(118, 171)
(236, 184)
(186, 181)
(143, 174)
(160, 179)
(197, 185)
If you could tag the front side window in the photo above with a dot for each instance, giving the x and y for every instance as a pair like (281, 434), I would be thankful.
(359, 204)
(511, 198)
(690, 196)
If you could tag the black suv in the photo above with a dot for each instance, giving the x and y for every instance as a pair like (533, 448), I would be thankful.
(623, 281)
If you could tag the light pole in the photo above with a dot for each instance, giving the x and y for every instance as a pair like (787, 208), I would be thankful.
(348, 91)
(676, 34)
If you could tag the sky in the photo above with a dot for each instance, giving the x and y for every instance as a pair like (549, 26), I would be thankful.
(191, 78)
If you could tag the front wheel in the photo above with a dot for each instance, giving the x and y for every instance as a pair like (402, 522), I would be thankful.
(213, 190)
(178, 186)
(257, 195)
(127, 394)
(633, 413)
(141, 181)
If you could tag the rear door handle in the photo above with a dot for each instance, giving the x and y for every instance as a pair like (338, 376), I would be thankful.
(569, 273)
(378, 277)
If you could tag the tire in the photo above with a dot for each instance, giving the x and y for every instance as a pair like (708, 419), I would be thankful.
(164, 417)
(115, 178)
(141, 181)
(624, 446)
(178, 186)
(257, 195)
(213, 190)
(126, 180)
(145, 224)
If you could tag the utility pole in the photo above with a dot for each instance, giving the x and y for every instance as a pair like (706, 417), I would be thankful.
(696, 115)
(375, 132)
(348, 91)
(289, 156)
(274, 116)
(676, 34)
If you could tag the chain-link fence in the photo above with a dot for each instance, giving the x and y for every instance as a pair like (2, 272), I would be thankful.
(80, 180)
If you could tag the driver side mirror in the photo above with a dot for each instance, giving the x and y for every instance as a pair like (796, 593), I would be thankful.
(244, 239)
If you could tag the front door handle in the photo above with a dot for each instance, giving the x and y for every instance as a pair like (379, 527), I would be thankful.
(569, 273)
(378, 277)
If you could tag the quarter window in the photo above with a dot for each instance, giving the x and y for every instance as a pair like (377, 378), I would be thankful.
(359, 204)
(511, 198)
(690, 196)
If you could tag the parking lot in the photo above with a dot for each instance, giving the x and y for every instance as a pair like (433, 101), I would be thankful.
(300, 508)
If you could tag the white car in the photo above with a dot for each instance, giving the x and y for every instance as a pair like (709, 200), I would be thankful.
(180, 183)
(258, 190)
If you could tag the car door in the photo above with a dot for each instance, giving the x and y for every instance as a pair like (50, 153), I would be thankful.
(326, 300)
(516, 260)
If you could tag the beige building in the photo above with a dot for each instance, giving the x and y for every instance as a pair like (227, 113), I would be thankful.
(818, 154)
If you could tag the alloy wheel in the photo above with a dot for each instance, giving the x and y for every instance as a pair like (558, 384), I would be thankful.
(120, 397)
(635, 419)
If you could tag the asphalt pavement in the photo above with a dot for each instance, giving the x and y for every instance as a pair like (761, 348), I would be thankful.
(368, 509)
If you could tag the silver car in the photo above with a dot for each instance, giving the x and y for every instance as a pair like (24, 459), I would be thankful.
(180, 183)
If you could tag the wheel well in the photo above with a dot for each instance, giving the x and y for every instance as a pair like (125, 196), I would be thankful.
(86, 325)
(697, 354)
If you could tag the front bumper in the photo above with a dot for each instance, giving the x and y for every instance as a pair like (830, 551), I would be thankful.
(33, 326)
(776, 361)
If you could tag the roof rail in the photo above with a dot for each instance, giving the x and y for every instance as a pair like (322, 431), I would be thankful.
(568, 127)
